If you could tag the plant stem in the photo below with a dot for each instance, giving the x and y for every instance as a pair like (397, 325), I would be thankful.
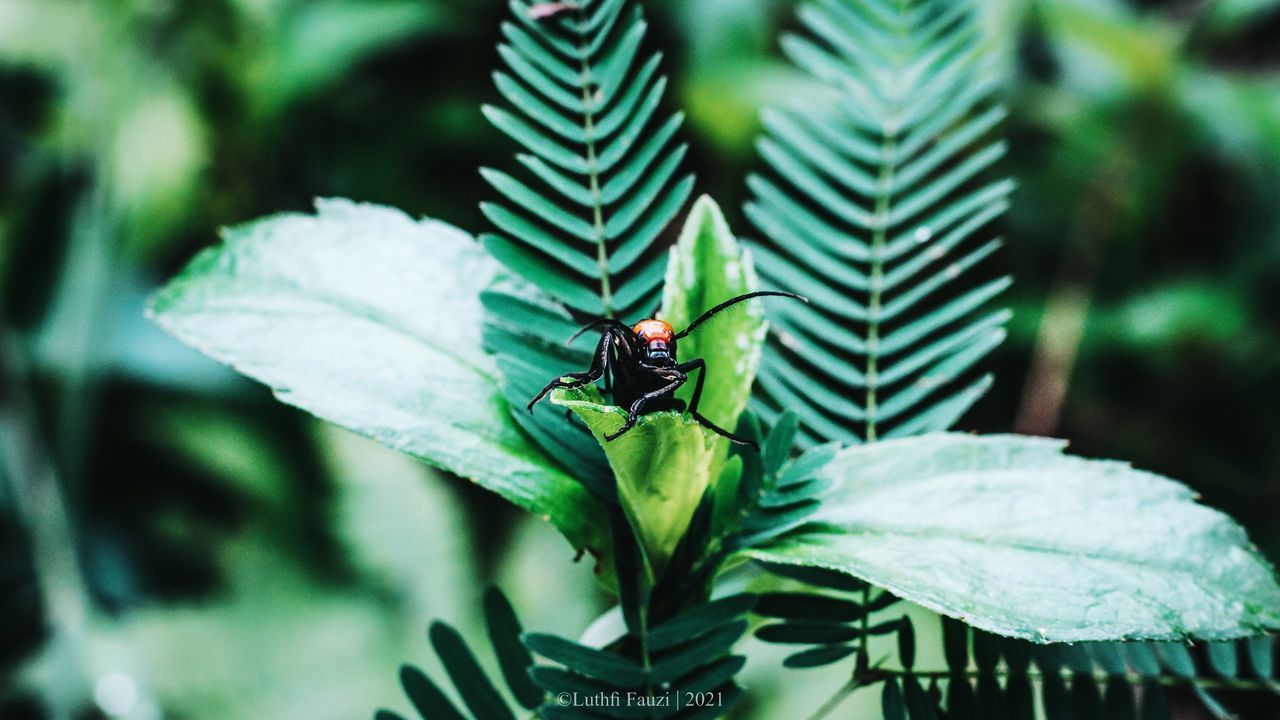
(642, 613)
(645, 663)
(39, 502)
(1066, 311)
(864, 654)
(593, 172)
(73, 331)
(878, 238)
(884, 204)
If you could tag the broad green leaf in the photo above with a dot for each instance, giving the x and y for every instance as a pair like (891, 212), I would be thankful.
(1012, 536)
(371, 320)
(663, 466)
(707, 267)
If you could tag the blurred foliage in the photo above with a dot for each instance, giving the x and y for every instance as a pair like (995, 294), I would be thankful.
(234, 560)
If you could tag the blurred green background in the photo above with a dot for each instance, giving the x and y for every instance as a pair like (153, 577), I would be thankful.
(176, 544)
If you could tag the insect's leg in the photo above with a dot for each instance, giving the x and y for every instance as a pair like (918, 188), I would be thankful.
(701, 365)
(599, 367)
(678, 378)
(623, 365)
(608, 375)
(577, 379)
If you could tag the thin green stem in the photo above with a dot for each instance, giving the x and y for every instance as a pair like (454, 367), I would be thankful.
(864, 654)
(39, 502)
(645, 661)
(74, 328)
(593, 173)
(878, 239)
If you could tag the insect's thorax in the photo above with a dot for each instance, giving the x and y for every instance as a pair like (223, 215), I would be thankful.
(648, 330)
(639, 368)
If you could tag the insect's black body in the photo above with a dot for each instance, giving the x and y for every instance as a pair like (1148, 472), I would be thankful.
(629, 380)
(639, 367)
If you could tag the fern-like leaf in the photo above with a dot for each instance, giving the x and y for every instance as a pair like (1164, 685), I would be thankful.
(480, 695)
(993, 677)
(832, 624)
(664, 657)
(601, 177)
(526, 332)
(686, 655)
(873, 210)
(990, 675)
(580, 219)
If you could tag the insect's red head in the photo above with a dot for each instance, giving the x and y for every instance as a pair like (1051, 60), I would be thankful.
(657, 341)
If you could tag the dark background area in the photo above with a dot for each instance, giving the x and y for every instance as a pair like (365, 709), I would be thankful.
(174, 543)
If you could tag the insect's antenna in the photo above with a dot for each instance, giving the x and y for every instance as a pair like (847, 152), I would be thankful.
(734, 301)
(601, 322)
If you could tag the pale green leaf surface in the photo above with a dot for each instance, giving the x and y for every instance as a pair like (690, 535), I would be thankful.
(663, 466)
(707, 267)
(372, 321)
(1012, 536)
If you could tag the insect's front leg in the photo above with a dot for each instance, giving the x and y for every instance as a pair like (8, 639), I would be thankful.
(599, 366)
(676, 377)
(701, 365)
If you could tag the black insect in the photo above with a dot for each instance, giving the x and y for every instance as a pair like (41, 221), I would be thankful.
(638, 364)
